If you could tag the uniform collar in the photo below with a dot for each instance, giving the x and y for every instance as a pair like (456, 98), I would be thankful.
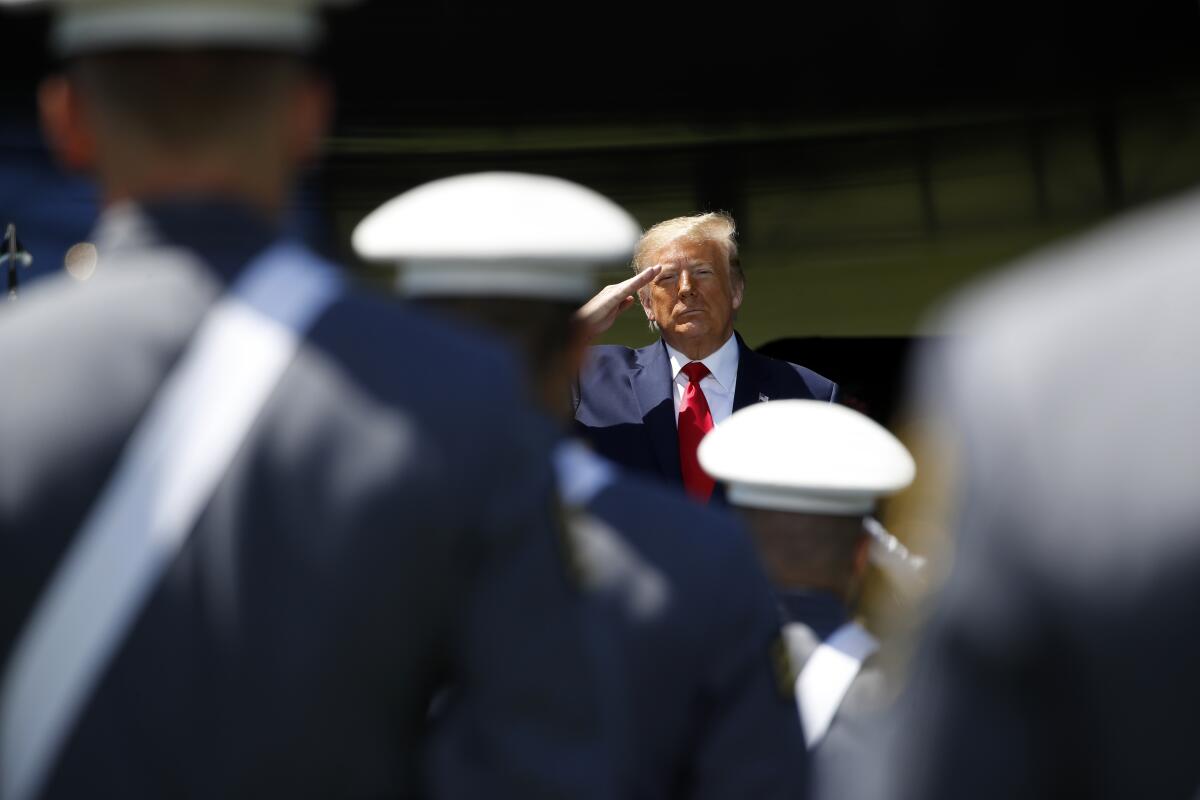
(224, 234)
(722, 363)
(823, 612)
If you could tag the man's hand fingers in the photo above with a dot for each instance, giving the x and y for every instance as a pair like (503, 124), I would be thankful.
(599, 313)
(638, 281)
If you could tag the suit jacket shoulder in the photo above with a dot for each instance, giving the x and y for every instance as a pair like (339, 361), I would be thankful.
(623, 407)
(605, 391)
(764, 378)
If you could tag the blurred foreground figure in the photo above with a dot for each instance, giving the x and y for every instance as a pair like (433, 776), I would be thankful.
(1062, 658)
(699, 708)
(804, 475)
(250, 518)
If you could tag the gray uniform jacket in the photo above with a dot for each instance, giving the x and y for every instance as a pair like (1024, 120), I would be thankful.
(1062, 657)
(839, 757)
(375, 537)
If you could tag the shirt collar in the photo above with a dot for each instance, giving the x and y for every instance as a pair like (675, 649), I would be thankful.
(722, 363)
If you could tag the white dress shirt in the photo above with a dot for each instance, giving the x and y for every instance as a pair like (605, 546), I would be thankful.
(717, 386)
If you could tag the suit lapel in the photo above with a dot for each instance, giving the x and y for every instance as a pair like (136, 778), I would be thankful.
(753, 380)
(651, 384)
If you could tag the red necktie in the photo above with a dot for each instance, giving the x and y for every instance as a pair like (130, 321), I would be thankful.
(695, 420)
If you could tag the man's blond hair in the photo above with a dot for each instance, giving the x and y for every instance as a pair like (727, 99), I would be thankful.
(714, 226)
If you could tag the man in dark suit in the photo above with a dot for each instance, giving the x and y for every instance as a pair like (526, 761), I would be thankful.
(251, 518)
(703, 711)
(647, 409)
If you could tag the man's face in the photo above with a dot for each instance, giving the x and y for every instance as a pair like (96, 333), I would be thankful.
(693, 298)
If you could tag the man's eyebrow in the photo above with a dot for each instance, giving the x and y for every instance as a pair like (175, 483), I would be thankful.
(688, 265)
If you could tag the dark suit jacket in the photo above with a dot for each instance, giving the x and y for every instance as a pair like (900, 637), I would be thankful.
(625, 410)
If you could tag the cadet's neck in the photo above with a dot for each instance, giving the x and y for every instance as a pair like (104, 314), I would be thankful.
(267, 196)
(144, 171)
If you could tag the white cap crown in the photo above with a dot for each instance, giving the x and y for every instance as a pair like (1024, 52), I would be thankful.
(498, 234)
(806, 456)
(90, 26)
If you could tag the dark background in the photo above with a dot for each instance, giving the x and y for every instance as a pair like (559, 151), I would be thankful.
(466, 63)
(876, 155)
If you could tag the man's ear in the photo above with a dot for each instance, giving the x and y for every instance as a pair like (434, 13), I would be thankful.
(862, 555)
(309, 118)
(65, 123)
(644, 296)
(739, 289)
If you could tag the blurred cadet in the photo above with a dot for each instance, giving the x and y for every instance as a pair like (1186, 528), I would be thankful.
(805, 475)
(704, 715)
(251, 518)
(647, 409)
(1061, 659)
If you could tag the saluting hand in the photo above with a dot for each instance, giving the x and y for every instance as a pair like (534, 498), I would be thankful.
(599, 313)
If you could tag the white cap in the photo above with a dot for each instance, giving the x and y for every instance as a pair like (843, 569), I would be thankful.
(88, 26)
(806, 456)
(498, 234)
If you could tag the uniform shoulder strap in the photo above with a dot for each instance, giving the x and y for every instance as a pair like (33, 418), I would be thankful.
(827, 675)
(580, 473)
(164, 478)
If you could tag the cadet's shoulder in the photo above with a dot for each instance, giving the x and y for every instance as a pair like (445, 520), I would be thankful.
(362, 312)
(172, 288)
(706, 544)
(386, 341)
(662, 503)
(97, 359)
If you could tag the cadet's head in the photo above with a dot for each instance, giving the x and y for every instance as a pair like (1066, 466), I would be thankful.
(693, 300)
(171, 96)
(804, 474)
(512, 252)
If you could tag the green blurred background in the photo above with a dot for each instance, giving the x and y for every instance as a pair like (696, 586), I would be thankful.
(875, 155)
(849, 227)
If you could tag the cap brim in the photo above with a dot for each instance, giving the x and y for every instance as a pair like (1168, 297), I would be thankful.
(79, 30)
